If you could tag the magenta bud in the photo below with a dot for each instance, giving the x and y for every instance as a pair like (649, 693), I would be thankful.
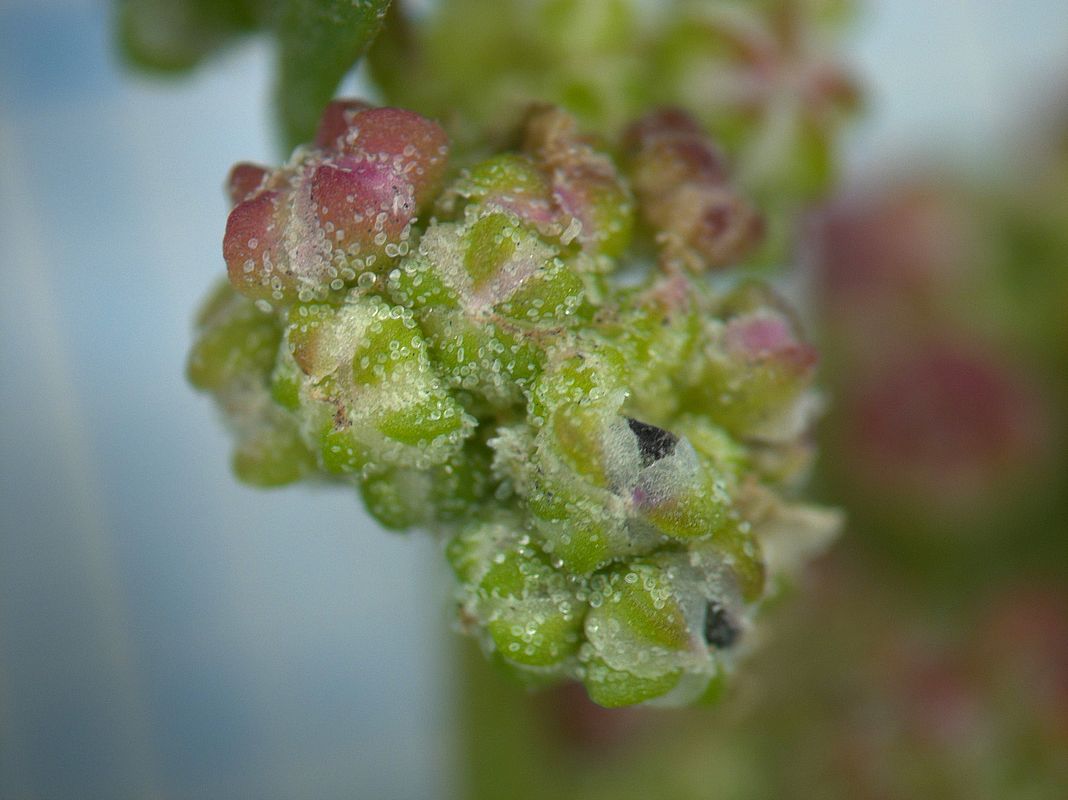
(660, 123)
(886, 249)
(255, 258)
(939, 701)
(676, 149)
(313, 226)
(244, 180)
(584, 183)
(362, 206)
(338, 117)
(412, 146)
(767, 337)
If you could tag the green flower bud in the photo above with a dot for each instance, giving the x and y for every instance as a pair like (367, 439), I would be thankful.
(637, 637)
(286, 380)
(488, 294)
(655, 331)
(272, 453)
(563, 187)
(233, 357)
(603, 486)
(753, 375)
(510, 182)
(531, 612)
(234, 339)
(613, 688)
(586, 187)
(403, 498)
(595, 375)
(365, 362)
(667, 622)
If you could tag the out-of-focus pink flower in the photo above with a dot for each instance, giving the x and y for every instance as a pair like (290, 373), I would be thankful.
(942, 424)
(890, 248)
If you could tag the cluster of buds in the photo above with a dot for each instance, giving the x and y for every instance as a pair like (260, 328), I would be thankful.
(524, 357)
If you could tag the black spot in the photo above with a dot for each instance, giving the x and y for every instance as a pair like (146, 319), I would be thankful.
(720, 632)
(653, 443)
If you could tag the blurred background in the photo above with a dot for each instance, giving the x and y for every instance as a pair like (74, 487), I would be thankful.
(168, 633)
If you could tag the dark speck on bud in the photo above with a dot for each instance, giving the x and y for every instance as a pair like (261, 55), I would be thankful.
(720, 632)
(654, 443)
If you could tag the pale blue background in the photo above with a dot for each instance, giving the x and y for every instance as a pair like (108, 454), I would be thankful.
(165, 632)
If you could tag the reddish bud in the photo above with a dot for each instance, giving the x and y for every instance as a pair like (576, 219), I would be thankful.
(585, 185)
(313, 226)
(361, 206)
(768, 337)
(892, 248)
(660, 123)
(338, 117)
(669, 147)
(245, 179)
(940, 701)
(252, 246)
(947, 424)
(412, 146)
(681, 181)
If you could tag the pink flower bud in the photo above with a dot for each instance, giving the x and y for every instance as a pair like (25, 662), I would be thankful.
(672, 139)
(684, 194)
(890, 249)
(338, 117)
(244, 180)
(313, 226)
(767, 337)
(585, 185)
(362, 206)
(413, 147)
(252, 246)
(936, 693)
(947, 424)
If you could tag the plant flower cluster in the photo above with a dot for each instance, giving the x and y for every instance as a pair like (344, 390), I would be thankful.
(543, 358)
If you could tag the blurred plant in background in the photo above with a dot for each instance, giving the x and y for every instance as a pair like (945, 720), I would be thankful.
(928, 655)
(942, 304)
(317, 43)
(760, 77)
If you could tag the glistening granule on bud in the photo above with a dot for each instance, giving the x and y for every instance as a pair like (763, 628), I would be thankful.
(610, 462)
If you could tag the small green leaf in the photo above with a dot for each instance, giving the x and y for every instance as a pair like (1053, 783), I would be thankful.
(176, 35)
(319, 41)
